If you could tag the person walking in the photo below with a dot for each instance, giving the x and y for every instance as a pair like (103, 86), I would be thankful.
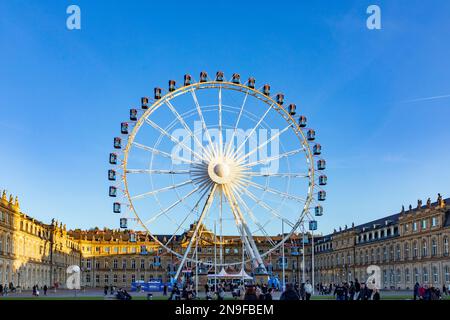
(339, 292)
(45, 289)
(416, 291)
(308, 290)
(351, 291)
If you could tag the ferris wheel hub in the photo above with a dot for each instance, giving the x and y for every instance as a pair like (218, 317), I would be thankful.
(222, 171)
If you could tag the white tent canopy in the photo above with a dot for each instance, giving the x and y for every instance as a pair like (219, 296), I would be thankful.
(224, 275)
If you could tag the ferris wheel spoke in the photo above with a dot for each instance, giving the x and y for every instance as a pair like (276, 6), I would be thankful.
(230, 143)
(160, 152)
(282, 175)
(265, 206)
(185, 219)
(275, 191)
(174, 186)
(205, 210)
(168, 135)
(251, 132)
(253, 217)
(202, 119)
(148, 171)
(186, 127)
(163, 212)
(220, 123)
(279, 133)
(269, 159)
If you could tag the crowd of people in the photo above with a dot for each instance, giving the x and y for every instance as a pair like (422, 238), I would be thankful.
(7, 288)
(425, 292)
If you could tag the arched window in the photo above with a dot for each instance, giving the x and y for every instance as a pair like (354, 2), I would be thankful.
(407, 276)
(398, 252)
(398, 276)
(7, 244)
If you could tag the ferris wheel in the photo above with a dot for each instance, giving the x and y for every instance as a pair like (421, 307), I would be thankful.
(217, 160)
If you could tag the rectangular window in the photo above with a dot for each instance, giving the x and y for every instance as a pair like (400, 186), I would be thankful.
(414, 226)
(434, 221)
(424, 224)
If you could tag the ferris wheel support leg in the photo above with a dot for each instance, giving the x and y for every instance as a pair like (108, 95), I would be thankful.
(246, 234)
(197, 227)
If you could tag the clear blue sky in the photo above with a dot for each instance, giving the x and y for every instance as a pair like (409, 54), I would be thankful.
(64, 93)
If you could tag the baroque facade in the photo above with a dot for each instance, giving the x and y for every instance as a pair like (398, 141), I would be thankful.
(32, 252)
(409, 246)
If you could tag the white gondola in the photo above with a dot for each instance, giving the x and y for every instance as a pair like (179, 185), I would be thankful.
(123, 223)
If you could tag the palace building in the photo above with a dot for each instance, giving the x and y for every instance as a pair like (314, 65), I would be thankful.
(409, 246)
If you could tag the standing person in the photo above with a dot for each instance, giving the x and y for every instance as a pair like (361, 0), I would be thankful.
(250, 293)
(416, 290)
(45, 289)
(289, 293)
(444, 290)
(357, 289)
(364, 293)
(1, 289)
(165, 289)
(268, 295)
(339, 292)
(376, 295)
(302, 291)
(351, 291)
(105, 290)
(308, 290)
